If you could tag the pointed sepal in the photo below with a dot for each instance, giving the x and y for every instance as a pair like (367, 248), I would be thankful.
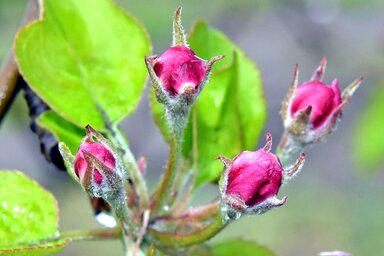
(179, 37)
(319, 72)
(69, 159)
(292, 171)
(284, 113)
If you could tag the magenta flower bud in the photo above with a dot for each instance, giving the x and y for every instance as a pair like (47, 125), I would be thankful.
(251, 181)
(99, 152)
(311, 110)
(180, 70)
(254, 176)
(99, 169)
(178, 75)
(320, 97)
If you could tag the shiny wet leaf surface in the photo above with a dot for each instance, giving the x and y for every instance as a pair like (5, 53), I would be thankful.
(28, 212)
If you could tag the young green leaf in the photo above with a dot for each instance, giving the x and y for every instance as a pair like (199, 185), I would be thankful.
(369, 130)
(207, 42)
(62, 129)
(28, 214)
(239, 247)
(222, 133)
(230, 248)
(230, 112)
(84, 55)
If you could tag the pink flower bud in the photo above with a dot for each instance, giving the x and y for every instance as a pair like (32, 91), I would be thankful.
(311, 110)
(98, 151)
(178, 75)
(322, 98)
(254, 177)
(180, 70)
(251, 181)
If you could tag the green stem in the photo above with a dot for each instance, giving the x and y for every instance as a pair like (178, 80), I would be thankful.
(165, 194)
(289, 150)
(9, 73)
(172, 239)
(129, 245)
(122, 213)
(120, 208)
(99, 234)
(165, 190)
(202, 212)
(80, 235)
(118, 138)
(90, 235)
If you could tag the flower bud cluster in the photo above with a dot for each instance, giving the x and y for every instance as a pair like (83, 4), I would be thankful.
(250, 181)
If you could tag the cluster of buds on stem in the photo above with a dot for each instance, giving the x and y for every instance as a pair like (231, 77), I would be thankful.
(251, 181)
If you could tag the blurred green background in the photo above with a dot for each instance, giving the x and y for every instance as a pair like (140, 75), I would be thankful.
(335, 203)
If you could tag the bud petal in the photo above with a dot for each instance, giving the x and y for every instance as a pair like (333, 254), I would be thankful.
(322, 99)
(179, 67)
(84, 164)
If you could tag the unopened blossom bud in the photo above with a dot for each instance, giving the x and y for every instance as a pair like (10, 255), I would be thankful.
(96, 165)
(99, 152)
(311, 110)
(178, 75)
(254, 176)
(252, 180)
(180, 70)
(99, 169)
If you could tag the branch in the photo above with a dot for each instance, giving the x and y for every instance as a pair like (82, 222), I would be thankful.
(9, 73)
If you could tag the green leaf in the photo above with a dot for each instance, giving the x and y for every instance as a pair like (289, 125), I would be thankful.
(28, 213)
(239, 247)
(369, 130)
(229, 115)
(230, 248)
(62, 129)
(85, 54)
(220, 135)
(251, 101)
